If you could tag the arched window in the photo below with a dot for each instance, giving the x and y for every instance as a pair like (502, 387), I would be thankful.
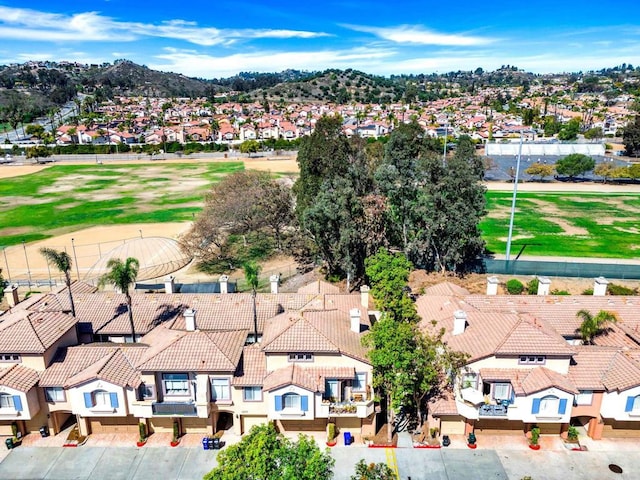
(549, 405)
(291, 400)
(6, 400)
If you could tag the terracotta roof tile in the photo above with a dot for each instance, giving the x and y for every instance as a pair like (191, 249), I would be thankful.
(32, 332)
(527, 381)
(252, 367)
(18, 377)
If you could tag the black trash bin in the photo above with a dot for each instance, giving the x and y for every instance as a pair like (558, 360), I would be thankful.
(44, 431)
(215, 444)
(9, 443)
(446, 441)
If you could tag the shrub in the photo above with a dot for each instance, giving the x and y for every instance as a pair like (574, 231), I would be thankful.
(572, 434)
(176, 431)
(532, 286)
(535, 435)
(588, 291)
(142, 429)
(615, 289)
(331, 431)
(559, 292)
(515, 286)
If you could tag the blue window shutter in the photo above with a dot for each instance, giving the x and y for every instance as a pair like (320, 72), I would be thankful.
(17, 403)
(304, 403)
(629, 406)
(513, 396)
(114, 400)
(562, 407)
(278, 403)
(535, 408)
(88, 400)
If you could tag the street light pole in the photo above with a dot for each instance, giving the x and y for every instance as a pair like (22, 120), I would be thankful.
(513, 200)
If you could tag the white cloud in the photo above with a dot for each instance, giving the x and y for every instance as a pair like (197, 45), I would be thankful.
(26, 24)
(196, 64)
(415, 34)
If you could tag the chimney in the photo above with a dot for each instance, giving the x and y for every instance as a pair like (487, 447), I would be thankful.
(543, 285)
(354, 315)
(600, 287)
(492, 285)
(459, 322)
(169, 284)
(190, 319)
(11, 293)
(275, 282)
(364, 296)
(224, 283)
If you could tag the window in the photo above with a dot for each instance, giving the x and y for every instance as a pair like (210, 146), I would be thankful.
(332, 390)
(291, 401)
(502, 391)
(54, 394)
(470, 380)
(147, 392)
(101, 399)
(301, 357)
(531, 360)
(175, 383)
(549, 406)
(6, 400)
(10, 358)
(360, 382)
(585, 397)
(633, 405)
(252, 394)
(220, 390)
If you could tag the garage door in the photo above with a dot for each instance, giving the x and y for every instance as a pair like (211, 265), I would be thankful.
(550, 428)
(502, 427)
(196, 425)
(113, 425)
(317, 425)
(615, 429)
(451, 426)
(251, 421)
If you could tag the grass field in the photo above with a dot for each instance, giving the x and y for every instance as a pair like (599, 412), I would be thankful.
(565, 224)
(70, 197)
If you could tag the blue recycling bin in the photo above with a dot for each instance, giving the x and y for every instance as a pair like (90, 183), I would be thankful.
(348, 439)
(205, 443)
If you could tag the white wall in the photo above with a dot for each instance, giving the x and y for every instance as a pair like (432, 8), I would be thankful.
(614, 404)
(541, 149)
(290, 415)
(76, 396)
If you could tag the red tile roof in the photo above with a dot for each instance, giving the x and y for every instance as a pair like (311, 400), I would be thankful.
(18, 377)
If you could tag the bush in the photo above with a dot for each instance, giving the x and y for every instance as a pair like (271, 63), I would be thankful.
(515, 286)
(572, 434)
(559, 292)
(331, 432)
(535, 435)
(615, 289)
(532, 286)
(588, 291)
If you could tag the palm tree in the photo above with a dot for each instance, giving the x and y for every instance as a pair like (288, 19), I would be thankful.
(122, 275)
(251, 274)
(62, 262)
(592, 326)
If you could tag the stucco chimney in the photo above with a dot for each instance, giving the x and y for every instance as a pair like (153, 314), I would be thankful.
(11, 293)
(169, 284)
(492, 285)
(190, 319)
(354, 316)
(364, 296)
(224, 283)
(275, 283)
(543, 285)
(600, 287)
(459, 322)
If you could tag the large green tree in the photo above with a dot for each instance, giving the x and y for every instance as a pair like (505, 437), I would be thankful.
(323, 155)
(373, 471)
(574, 165)
(569, 130)
(265, 454)
(631, 137)
(122, 275)
(62, 262)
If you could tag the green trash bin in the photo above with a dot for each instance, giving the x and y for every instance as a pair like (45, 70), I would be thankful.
(9, 443)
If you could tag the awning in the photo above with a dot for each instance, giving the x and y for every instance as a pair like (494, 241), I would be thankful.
(472, 395)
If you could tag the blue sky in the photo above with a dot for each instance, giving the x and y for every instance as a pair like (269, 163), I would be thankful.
(219, 39)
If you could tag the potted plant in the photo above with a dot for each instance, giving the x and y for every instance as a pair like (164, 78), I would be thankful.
(332, 433)
(142, 430)
(535, 438)
(176, 434)
(471, 440)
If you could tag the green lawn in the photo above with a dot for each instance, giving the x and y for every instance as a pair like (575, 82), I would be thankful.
(565, 224)
(70, 197)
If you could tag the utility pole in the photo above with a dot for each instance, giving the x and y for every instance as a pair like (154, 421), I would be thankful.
(513, 200)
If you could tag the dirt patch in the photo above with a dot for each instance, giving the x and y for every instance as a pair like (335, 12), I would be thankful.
(10, 171)
(14, 231)
(553, 214)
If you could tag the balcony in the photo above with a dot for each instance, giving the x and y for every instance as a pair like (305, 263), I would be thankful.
(361, 409)
(180, 409)
(488, 410)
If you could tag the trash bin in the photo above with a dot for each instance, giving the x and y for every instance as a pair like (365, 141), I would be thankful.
(210, 443)
(215, 444)
(9, 443)
(205, 443)
(446, 441)
(348, 439)
(44, 431)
